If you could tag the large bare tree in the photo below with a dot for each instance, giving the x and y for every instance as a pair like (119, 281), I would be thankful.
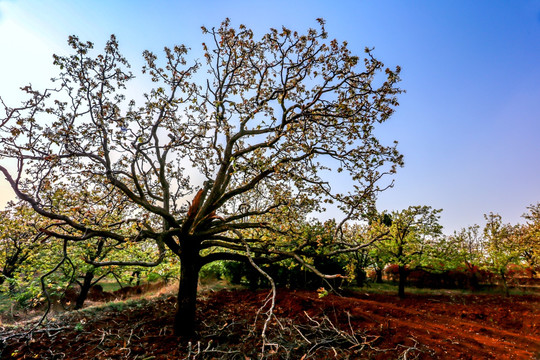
(223, 155)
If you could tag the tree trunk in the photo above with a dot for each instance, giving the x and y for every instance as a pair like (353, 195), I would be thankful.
(7, 273)
(184, 320)
(361, 277)
(135, 275)
(378, 275)
(505, 284)
(472, 278)
(472, 282)
(85, 288)
(402, 278)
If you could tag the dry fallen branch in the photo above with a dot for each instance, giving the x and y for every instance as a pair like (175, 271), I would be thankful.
(323, 338)
(198, 351)
(270, 298)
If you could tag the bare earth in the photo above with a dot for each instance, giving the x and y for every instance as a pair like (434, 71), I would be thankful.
(357, 326)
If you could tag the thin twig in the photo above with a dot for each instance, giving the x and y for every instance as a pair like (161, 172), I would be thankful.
(270, 312)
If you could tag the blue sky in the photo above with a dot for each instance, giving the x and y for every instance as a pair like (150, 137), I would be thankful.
(468, 126)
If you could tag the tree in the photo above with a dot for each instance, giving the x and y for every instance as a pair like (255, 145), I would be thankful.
(20, 238)
(359, 261)
(379, 223)
(315, 239)
(253, 137)
(82, 256)
(528, 238)
(501, 247)
(465, 247)
(407, 242)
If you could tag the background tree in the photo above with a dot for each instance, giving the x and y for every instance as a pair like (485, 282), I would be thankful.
(528, 238)
(311, 241)
(274, 119)
(81, 272)
(466, 252)
(20, 239)
(101, 209)
(501, 247)
(409, 236)
(359, 261)
(379, 223)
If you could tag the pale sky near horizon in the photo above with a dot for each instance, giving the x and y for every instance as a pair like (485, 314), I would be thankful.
(468, 126)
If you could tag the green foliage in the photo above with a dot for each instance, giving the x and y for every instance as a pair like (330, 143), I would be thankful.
(466, 248)
(322, 292)
(215, 270)
(153, 276)
(410, 237)
(527, 237)
(119, 306)
(79, 327)
(501, 247)
(20, 241)
(409, 240)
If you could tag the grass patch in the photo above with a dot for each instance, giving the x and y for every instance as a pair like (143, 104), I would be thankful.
(377, 288)
(392, 288)
(116, 306)
(111, 286)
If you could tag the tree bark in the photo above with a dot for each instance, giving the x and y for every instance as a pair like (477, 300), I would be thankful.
(505, 284)
(361, 277)
(135, 275)
(85, 288)
(472, 279)
(7, 273)
(5, 276)
(402, 278)
(184, 320)
(378, 275)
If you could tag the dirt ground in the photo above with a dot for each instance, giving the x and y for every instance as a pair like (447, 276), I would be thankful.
(356, 326)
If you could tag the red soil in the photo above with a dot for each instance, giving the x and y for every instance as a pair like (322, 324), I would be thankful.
(305, 327)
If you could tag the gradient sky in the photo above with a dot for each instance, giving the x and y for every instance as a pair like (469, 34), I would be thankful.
(468, 126)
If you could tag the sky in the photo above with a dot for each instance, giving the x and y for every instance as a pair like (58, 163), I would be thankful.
(469, 122)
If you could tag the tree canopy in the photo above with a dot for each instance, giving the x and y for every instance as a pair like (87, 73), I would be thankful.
(409, 236)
